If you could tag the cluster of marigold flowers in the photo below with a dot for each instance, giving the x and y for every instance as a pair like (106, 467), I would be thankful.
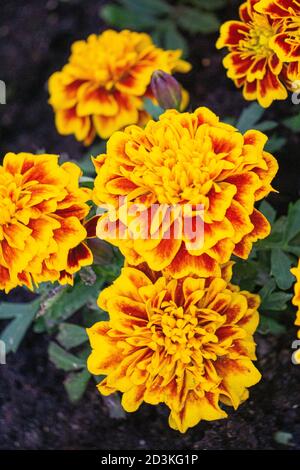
(264, 49)
(179, 332)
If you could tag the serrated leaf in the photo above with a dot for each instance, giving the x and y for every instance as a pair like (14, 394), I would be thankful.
(268, 211)
(70, 335)
(293, 123)
(76, 384)
(269, 325)
(63, 359)
(280, 268)
(277, 301)
(267, 289)
(70, 301)
(249, 117)
(195, 21)
(13, 334)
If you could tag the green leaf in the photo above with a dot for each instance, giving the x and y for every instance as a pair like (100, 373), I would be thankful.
(114, 407)
(280, 268)
(293, 123)
(152, 109)
(275, 143)
(277, 301)
(76, 384)
(294, 250)
(195, 21)
(267, 289)
(11, 310)
(266, 126)
(93, 316)
(229, 120)
(70, 335)
(147, 7)
(293, 221)
(63, 359)
(249, 117)
(70, 300)
(209, 5)
(245, 274)
(283, 438)
(173, 39)
(123, 18)
(269, 325)
(86, 165)
(268, 211)
(275, 239)
(157, 37)
(13, 334)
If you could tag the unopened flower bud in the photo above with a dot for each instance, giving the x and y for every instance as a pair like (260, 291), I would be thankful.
(166, 90)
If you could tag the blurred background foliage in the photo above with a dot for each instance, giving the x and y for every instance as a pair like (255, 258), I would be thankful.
(168, 22)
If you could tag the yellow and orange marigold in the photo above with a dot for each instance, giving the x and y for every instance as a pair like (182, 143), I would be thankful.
(185, 159)
(285, 14)
(263, 49)
(187, 343)
(102, 87)
(296, 298)
(42, 210)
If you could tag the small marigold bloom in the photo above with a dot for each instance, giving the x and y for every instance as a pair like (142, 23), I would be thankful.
(285, 15)
(185, 159)
(296, 298)
(102, 87)
(187, 343)
(252, 63)
(41, 221)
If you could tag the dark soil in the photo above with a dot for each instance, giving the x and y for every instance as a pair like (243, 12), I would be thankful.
(35, 38)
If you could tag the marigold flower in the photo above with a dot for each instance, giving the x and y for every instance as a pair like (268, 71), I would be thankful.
(253, 62)
(41, 221)
(102, 87)
(285, 15)
(185, 159)
(296, 298)
(187, 343)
